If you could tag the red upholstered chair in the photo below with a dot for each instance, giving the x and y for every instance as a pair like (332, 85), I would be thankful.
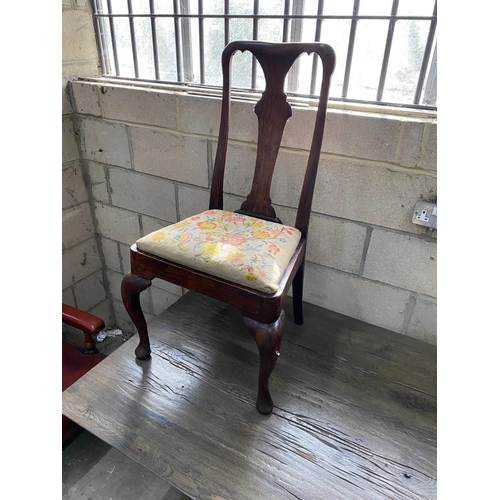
(77, 361)
(246, 258)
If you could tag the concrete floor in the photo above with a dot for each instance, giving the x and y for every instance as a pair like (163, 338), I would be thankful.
(93, 470)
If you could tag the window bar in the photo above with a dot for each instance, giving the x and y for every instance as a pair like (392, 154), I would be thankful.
(226, 22)
(425, 60)
(178, 55)
(113, 39)
(430, 94)
(100, 36)
(187, 57)
(317, 38)
(132, 38)
(286, 22)
(155, 40)
(255, 37)
(350, 49)
(202, 41)
(387, 52)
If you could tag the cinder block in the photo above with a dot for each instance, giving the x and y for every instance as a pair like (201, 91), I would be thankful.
(161, 299)
(117, 224)
(358, 298)
(171, 156)
(142, 193)
(411, 143)
(371, 194)
(361, 135)
(243, 122)
(104, 142)
(192, 201)
(78, 36)
(90, 291)
(125, 256)
(86, 98)
(149, 224)
(334, 243)
(122, 319)
(299, 128)
(69, 145)
(104, 311)
(289, 177)
(429, 159)
(115, 283)
(80, 261)
(67, 297)
(139, 105)
(240, 164)
(77, 69)
(77, 225)
(402, 261)
(111, 254)
(199, 114)
(423, 322)
(74, 191)
(66, 107)
(168, 287)
(99, 183)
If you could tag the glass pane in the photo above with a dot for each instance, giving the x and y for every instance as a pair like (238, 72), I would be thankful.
(336, 32)
(375, 8)
(406, 60)
(124, 47)
(415, 7)
(214, 45)
(166, 49)
(164, 6)
(367, 59)
(144, 44)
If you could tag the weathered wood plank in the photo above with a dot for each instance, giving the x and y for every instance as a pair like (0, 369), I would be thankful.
(354, 417)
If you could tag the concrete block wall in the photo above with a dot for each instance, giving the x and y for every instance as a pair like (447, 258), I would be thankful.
(83, 280)
(149, 156)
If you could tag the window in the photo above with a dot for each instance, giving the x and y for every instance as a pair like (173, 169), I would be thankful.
(386, 49)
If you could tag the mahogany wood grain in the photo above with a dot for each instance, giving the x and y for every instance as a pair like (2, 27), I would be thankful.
(354, 408)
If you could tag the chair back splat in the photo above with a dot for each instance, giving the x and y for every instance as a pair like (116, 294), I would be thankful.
(272, 111)
(246, 258)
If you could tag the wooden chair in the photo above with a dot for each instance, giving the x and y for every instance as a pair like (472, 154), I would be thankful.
(247, 258)
(77, 361)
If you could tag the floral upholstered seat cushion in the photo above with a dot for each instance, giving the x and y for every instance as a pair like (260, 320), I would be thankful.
(236, 247)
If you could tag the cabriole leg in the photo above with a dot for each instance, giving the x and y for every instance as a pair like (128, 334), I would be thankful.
(268, 339)
(132, 286)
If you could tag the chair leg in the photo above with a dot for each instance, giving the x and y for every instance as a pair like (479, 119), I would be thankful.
(297, 288)
(131, 288)
(268, 339)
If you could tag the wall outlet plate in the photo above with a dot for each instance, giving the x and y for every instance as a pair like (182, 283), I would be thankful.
(425, 214)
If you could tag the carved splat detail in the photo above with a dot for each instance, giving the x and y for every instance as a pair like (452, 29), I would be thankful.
(272, 112)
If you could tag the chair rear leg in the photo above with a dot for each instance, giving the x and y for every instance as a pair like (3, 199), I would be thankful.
(297, 289)
(268, 339)
(132, 286)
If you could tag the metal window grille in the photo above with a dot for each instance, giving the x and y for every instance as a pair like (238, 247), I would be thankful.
(386, 50)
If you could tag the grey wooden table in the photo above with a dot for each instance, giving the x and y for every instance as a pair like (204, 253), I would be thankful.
(354, 417)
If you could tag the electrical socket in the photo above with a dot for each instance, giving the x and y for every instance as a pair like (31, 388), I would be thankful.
(425, 214)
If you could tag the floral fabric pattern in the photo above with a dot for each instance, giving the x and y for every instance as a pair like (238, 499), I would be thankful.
(236, 247)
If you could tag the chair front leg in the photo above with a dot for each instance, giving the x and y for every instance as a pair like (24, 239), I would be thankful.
(268, 339)
(132, 286)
